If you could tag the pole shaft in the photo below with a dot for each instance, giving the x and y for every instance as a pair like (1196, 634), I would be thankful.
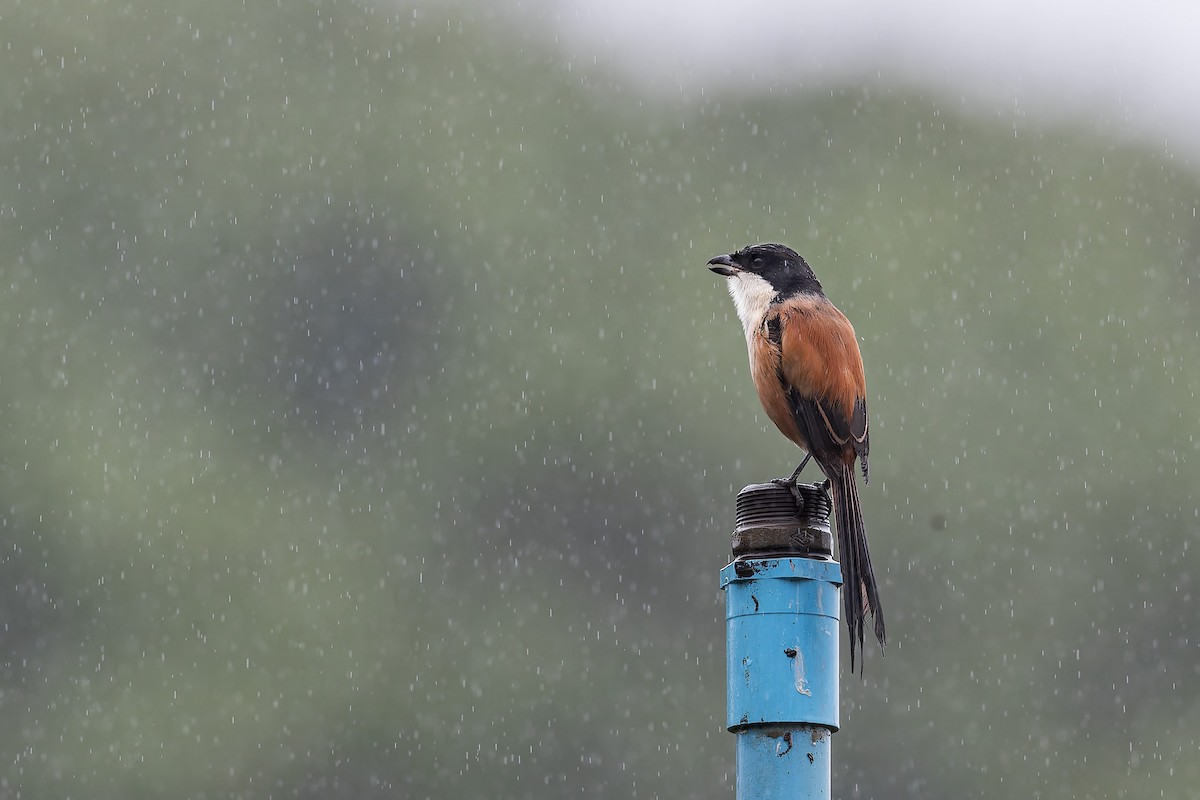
(784, 761)
(782, 673)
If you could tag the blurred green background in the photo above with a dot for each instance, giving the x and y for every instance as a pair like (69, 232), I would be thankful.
(371, 424)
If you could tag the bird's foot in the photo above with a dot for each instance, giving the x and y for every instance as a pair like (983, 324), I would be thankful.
(791, 484)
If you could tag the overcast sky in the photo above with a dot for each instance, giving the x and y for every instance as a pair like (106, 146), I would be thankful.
(1132, 67)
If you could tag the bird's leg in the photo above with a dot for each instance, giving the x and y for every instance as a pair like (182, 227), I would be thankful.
(799, 469)
(791, 481)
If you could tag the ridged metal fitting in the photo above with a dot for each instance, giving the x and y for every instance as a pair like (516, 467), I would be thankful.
(774, 519)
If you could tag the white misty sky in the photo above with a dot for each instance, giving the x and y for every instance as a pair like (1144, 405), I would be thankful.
(1132, 67)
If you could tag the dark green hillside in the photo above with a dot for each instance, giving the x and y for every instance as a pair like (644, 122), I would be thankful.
(371, 425)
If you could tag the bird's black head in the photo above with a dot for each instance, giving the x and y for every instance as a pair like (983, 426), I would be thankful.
(777, 264)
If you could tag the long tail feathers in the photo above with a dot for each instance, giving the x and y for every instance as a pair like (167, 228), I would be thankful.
(859, 593)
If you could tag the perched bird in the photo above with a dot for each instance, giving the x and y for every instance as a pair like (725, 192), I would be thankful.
(806, 366)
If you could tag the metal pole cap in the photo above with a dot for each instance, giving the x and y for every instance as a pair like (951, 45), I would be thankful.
(775, 518)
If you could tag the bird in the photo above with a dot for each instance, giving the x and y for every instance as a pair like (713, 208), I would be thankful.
(808, 371)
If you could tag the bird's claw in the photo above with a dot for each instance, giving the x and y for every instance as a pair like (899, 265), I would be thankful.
(792, 485)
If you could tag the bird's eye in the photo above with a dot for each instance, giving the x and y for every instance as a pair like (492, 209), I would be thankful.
(758, 262)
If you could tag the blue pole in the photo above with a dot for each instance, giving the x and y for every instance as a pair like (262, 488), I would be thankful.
(781, 612)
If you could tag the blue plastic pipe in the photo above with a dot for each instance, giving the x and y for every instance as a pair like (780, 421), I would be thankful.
(781, 617)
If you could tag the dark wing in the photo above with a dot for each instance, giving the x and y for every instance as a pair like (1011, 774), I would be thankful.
(860, 434)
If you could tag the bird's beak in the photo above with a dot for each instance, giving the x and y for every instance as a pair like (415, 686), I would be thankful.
(723, 265)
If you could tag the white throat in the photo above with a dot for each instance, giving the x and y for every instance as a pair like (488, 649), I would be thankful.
(752, 297)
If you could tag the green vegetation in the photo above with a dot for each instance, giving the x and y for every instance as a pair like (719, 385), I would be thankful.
(371, 425)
